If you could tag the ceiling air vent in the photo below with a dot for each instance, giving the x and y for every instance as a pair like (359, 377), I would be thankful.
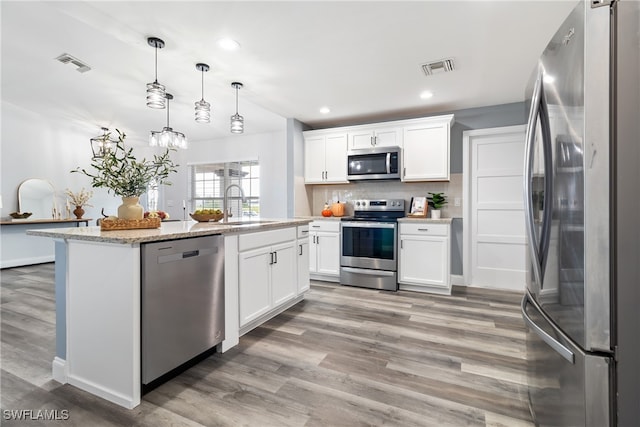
(65, 58)
(436, 67)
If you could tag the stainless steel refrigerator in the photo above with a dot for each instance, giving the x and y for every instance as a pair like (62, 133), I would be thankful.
(581, 192)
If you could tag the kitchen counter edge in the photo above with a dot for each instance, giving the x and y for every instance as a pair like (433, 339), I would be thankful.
(167, 231)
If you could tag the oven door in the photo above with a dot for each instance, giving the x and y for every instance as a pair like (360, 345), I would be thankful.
(370, 245)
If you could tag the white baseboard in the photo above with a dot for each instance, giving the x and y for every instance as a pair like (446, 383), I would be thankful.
(19, 262)
(59, 370)
(324, 277)
(128, 402)
(457, 280)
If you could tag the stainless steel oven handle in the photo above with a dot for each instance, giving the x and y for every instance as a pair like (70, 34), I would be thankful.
(551, 342)
(367, 224)
(388, 163)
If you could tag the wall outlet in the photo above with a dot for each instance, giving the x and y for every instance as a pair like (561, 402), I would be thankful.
(457, 201)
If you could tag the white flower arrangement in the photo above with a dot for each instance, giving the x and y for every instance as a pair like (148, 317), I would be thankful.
(79, 199)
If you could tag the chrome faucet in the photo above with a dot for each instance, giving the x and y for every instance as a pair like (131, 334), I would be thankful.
(225, 201)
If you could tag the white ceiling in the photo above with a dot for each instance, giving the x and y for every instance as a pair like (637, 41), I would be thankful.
(360, 58)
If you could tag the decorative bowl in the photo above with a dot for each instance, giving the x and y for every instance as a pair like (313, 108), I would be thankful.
(20, 215)
(207, 217)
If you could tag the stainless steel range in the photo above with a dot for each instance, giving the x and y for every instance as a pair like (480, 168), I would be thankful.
(368, 254)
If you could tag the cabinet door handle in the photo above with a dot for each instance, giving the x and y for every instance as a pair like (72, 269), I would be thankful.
(305, 231)
(423, 229)
(371, 140)
(271, 256)
(404, 172)
(315, 226)
(276, 257)
(300, 249)
(401, 244)
(317, 239)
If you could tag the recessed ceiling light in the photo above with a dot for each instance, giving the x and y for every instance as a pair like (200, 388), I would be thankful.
(228, 44)
(325, 110)
(426, 94)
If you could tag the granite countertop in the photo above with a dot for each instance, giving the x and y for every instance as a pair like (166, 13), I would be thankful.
(167, 231)
(427, 220)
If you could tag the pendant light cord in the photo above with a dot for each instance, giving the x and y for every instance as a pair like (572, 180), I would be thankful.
(236, 99)
(168, 102)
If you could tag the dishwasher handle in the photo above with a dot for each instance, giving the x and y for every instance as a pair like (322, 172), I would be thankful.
(190, 254)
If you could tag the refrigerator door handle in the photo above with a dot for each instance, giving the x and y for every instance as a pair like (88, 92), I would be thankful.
(551, 342)
(528, 172)
(538, 109)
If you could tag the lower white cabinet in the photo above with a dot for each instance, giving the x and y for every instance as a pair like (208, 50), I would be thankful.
(424, 261)
(324, 250)
(268, 274)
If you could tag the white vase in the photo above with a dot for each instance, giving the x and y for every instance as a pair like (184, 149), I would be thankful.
(130, 208)
(435, 214)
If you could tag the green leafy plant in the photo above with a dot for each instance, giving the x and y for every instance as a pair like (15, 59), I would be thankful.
(123, 175)
(437, 200)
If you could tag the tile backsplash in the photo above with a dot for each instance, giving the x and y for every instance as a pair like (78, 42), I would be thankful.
(389, 190)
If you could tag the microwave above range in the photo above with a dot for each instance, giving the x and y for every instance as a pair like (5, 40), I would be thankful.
(374, 163)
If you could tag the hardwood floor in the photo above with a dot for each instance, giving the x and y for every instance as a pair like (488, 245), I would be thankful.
(342, 357)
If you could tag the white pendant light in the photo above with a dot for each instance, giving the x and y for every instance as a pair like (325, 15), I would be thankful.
(155, 91)
(237, 121)
(203, 108)
(167, 137)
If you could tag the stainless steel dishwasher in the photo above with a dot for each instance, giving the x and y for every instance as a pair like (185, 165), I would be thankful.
(182, 302)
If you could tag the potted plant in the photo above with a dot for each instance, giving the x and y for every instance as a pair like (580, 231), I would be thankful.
(123, 175)
(78, 200)
(436, 201)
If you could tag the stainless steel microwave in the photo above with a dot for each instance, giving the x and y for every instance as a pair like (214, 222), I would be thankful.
(374, 163)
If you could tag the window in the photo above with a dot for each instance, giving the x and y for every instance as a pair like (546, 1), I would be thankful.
(208, 182)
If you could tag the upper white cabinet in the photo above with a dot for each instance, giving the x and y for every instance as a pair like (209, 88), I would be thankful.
(424, 141)
(325, 158)
(367, 137)
(426, 151)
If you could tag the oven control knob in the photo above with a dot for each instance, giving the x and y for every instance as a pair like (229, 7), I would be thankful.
(357, 203)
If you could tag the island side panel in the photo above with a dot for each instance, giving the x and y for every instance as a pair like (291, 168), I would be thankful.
(61, 299)
(231, 301)
(103, 320)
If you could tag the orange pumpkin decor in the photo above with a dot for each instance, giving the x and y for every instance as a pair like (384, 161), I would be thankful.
(326, 211)
(337, 209)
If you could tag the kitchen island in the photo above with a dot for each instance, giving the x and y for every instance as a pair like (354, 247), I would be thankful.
(98, 296)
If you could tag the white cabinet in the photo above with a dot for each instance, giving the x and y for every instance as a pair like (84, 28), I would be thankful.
(425, 155)
(303, 259)
(424, 260)
(368, 137)
(325, 158)
(324, 250)
(267, 272)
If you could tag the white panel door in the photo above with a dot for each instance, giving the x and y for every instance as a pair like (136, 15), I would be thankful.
(328, 252)
(498, 242)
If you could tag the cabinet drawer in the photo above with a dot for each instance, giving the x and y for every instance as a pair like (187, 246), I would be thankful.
(303, 231)
(424, 229)
(328, 225)
(265, 238)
